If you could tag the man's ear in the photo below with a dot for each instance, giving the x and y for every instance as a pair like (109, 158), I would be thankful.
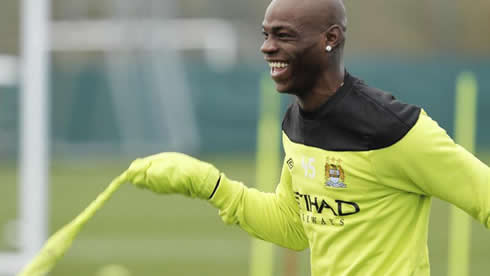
(334, 36)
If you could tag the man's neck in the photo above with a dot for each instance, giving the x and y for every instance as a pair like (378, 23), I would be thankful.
(323, 90)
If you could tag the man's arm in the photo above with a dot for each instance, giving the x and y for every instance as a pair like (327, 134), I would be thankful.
(429, 162)
(273, 217)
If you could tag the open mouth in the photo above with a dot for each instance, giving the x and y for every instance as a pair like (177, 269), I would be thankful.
(278, 68)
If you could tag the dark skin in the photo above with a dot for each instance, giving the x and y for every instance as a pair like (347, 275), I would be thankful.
(296, 33)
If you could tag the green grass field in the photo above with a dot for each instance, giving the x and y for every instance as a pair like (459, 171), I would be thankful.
(172, 235)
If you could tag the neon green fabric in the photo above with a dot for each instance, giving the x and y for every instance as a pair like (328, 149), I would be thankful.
(174, 173)
(366, 212)
(360, 212)
(272, 217)
(56, 246)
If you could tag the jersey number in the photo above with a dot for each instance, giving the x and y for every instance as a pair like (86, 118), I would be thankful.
(308, 166)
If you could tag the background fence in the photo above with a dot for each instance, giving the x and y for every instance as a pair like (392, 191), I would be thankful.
(84, 115)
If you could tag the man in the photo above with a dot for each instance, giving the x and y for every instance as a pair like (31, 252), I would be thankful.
(360, 167)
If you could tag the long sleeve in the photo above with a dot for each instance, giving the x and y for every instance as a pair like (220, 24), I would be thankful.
(272, 217)
(427, 161)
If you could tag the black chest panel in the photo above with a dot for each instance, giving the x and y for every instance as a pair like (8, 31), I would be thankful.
(356, 118)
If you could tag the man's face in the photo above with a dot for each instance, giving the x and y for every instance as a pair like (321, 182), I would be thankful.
(293, 46)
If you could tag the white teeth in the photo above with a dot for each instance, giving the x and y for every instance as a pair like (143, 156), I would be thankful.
(278, 64)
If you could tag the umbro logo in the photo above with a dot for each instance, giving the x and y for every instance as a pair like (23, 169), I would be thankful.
(290, 163)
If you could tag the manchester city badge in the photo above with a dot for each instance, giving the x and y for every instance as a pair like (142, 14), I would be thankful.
(334, 174)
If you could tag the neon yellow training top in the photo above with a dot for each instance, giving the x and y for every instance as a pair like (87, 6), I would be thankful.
(356, 185)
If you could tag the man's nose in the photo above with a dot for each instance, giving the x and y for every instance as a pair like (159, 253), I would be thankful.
(269, 46)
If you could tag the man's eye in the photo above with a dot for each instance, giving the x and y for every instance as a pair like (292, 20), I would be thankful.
(283, 35)
(266, 35)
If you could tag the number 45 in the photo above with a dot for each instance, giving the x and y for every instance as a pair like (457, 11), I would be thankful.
(307, 164)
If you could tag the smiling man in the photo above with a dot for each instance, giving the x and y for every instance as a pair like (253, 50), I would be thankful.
(360, 167)
(297, 34)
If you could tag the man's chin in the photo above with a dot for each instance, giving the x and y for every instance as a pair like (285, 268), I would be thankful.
(283, 89)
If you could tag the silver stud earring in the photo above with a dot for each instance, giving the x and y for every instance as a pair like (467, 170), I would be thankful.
(328, 48)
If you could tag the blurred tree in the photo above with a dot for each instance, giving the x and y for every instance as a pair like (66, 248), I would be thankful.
(376, 26)
(9, 27)
(476, 21)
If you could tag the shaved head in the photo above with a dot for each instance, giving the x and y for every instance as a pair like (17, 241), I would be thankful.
(336, 13)
(321, 13)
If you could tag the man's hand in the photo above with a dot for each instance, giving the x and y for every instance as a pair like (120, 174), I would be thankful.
(169, 173)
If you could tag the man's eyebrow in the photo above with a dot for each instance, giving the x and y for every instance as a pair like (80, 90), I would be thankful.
(278, 28)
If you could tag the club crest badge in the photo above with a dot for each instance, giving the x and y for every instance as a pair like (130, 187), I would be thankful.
(334, 174)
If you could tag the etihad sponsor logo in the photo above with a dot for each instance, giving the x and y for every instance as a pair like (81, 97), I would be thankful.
(340, 208)
(319, 211)
(319, 220)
